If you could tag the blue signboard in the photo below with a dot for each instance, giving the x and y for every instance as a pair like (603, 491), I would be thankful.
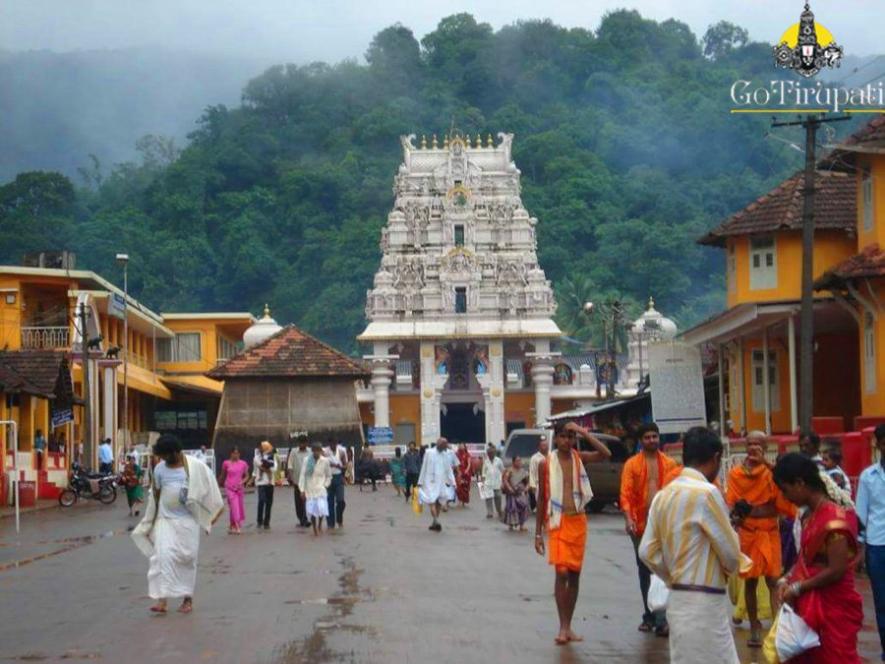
(62, 416)
(380, 435)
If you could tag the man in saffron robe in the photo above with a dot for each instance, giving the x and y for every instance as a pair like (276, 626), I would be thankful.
(564, 492)
(643, 476)
(755, 502)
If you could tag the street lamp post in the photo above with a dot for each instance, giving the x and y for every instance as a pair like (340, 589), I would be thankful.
(615, 310)
(123, 259)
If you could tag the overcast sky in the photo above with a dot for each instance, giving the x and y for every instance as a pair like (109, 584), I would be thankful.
(304, 30)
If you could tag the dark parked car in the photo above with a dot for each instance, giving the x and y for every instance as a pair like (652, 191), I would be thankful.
(605, 478)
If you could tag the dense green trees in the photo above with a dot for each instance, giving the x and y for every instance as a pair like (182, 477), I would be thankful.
(623, 136)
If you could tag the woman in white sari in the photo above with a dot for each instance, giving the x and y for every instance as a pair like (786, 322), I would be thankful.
(184, 497)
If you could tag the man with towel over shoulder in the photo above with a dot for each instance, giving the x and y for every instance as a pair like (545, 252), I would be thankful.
(563, 492)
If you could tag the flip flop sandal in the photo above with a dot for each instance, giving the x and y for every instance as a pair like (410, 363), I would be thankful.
(645, 627)
(158, 609)
(755, 640)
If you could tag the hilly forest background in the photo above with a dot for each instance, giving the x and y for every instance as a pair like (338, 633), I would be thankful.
(623, 136)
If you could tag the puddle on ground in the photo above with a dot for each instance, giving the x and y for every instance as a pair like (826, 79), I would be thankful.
(314, 649)
(71, 544)
(334, 601)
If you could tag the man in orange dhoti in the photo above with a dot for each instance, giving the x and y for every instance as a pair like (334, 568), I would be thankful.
(756, 502)
(564, 491)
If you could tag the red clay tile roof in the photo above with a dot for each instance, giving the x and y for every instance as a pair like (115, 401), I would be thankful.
(290, 353)
(35, 372)
(835, 207)
(870, 137)
(868, 263)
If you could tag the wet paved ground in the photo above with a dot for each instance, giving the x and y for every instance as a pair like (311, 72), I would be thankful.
(383, 589)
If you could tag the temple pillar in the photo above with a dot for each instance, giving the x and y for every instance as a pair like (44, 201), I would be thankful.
(381, 376)
(494, 400)
(542, 379)
(432, 383)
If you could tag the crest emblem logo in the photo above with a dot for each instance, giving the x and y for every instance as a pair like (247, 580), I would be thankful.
(807, 47)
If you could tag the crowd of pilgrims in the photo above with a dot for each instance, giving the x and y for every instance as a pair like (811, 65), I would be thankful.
(799, 531)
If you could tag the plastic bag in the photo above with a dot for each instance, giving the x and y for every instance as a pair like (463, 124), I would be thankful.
(417, 507)
(769, 647)
(658, 594)
(792, 636)
(484, 491)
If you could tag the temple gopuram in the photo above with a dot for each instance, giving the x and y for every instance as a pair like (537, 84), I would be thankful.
(460, 316)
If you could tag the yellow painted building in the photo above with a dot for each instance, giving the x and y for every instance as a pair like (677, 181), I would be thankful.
(858, 282)
(161, 361)
(756, 337)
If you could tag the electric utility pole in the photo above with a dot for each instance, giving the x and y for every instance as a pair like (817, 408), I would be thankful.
(810, 123)
(87, 411)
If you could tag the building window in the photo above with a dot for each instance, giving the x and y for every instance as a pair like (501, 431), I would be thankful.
(763, 263)
(867, 186)
(459, 235)
(185, 347)
(759, 381)
(461, 300)
(869, 352)
(226, 349)
(182, 420)
(732, 268)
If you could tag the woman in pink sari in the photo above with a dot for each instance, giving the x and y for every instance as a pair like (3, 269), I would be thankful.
(234, 472)
(821, 584)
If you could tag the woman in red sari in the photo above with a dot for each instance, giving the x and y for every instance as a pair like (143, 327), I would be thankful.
(821, 584)
(465, 474)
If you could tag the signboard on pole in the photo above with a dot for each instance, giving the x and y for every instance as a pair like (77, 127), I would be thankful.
(62, 416)
(117, 306)
(380, 435)
(677, 386)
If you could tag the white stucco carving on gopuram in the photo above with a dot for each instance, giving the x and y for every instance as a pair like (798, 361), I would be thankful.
(459, 274)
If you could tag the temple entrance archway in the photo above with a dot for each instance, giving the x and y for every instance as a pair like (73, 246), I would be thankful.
(463, 422)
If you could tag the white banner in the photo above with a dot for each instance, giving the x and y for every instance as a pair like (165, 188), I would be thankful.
(677, 386)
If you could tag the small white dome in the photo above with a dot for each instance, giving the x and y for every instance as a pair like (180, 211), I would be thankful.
(264, 329)
(653, 323)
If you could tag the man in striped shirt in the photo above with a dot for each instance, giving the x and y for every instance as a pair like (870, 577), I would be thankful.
(690, 544)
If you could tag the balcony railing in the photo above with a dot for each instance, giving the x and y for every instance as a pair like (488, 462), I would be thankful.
(46, 337)
(139, 360)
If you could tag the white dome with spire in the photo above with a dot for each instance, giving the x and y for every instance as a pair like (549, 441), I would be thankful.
(653, 324)
(650, 327)
(265, 328)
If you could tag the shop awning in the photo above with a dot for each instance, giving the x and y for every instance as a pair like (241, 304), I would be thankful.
(198, 384)
(738, 321)
(597, 408)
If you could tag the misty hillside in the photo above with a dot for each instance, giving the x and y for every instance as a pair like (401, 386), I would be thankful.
(628, 155)
(58, 108)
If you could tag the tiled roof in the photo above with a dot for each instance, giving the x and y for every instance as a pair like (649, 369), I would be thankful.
(870, 137)
(835, 207)
(33, 371)
(290, 353)
(868, 263)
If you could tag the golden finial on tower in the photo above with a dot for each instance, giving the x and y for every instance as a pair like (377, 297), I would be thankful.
(478, 141)
(651, 303)
(489, 142)
(423, 142)
(446, 142)
(266, 310)
(435, 144)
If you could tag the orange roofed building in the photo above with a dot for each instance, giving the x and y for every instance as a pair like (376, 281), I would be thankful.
(858, 282)
(756, 337)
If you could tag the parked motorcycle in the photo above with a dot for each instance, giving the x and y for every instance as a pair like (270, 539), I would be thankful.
(97, 486)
